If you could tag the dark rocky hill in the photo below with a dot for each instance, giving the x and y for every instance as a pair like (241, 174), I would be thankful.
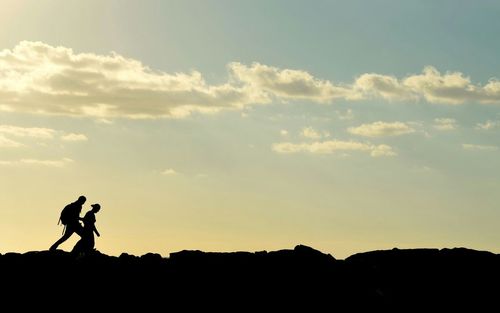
(302, 278)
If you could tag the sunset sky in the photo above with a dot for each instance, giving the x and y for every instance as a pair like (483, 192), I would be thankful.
(251, 125)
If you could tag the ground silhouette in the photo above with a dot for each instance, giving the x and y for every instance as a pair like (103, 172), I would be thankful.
(286, 279)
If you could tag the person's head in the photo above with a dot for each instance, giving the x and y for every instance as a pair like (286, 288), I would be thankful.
(81, 200)
(96, 207)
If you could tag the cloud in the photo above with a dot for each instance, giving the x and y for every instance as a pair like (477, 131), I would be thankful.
(445, 124)
(287, 83)
(169, 172)
(310, 133)
(451, 88)
(431, 85)
(284, 132)
(380, 129)
(383, 86)
(36, 162)
(39, 78)
(479, 147)
(74, 137)
(34, 132)
(332, 146)
(8, 143)
(488, 125)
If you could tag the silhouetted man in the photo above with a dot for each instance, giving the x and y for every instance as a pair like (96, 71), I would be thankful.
(71, 218)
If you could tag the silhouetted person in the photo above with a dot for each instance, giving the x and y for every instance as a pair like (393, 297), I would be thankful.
(87, 242)
(70, 217)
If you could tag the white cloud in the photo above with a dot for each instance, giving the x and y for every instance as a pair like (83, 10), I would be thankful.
(445, 124)
(386, 87)
(39, 78)
(284, 132)
(431, 85)
(332, 146)
(479, 147)
(451, 88)
(488, 125)
(74, 137)
(310, 133)
(42, 79)
(379, 129)
(34, 132)
(286, 83)
(169, 172)
(36, 162)
(382, 150)
(8, 143)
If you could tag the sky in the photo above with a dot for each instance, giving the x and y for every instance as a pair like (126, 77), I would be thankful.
(347, 126)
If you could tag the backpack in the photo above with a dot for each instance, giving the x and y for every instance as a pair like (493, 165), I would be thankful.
(66, 214)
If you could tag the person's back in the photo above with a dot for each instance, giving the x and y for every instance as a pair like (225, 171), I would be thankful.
(72, 212)
(71, 220)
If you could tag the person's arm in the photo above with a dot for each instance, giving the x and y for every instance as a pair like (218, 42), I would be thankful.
(96, 232)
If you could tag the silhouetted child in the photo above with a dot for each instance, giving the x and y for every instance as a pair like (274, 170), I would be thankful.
(86, 244)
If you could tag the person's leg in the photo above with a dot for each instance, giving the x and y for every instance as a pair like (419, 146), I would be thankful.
(91, 244)
(84, 245)
(78, 247)
(69, 231)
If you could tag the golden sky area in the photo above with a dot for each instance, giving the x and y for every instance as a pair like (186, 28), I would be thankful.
(347, 126)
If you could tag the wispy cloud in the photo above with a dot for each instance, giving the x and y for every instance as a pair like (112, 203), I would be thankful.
(74, 137)
(311, 133)
(36, 162)
(332, 146)
(445, 124)
(380, 129)
(169, 172)
(488, 125)
(43, 79)
(9, 143)
(284, 132)
(479, 147)
(34, 132)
